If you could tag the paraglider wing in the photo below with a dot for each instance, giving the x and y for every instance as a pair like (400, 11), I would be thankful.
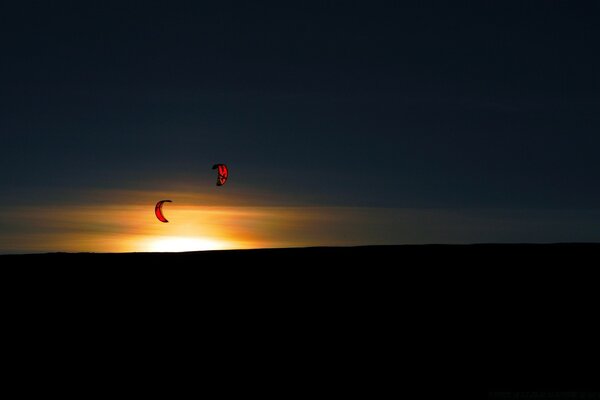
(223, 173)
(158, 210)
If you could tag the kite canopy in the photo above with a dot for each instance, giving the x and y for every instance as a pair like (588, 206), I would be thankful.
(158, 210)
(223, 173)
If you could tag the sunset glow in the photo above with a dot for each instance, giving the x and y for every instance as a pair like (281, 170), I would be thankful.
(179, 244)
(117, 221)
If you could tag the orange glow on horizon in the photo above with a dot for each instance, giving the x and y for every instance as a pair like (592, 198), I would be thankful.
(133, 228)
(179, 244)
(129, 224)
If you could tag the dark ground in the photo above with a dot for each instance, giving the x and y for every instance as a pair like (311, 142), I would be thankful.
(429, 322)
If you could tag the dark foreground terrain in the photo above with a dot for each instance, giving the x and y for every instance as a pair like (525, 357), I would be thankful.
(424, 322)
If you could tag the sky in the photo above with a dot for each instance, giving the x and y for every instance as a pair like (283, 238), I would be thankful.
(342, 123)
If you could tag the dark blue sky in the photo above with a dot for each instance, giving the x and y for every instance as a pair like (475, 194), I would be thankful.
(397, 104)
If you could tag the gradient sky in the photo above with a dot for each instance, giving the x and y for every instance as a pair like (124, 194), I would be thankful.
(343, 122)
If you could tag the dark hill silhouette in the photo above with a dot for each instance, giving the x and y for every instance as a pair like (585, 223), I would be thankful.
(434, 321)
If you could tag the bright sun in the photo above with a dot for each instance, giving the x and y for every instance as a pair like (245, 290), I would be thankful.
(178, 244)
